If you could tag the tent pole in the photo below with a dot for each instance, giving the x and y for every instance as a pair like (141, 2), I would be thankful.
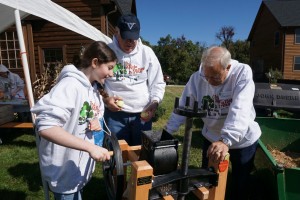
(23, 55)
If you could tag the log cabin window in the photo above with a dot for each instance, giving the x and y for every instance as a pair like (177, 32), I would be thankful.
(297, 36)
(276, 38)
(10, 50)
(297, 63)
(51, 55)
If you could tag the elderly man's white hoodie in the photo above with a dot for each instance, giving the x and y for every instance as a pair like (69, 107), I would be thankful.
(231, 112)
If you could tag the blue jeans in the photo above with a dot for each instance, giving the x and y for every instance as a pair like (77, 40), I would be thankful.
(73, 196)
(126, 126)
(242, 163)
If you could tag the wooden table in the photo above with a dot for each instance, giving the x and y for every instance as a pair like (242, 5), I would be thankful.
(19, 106)
(17, 125)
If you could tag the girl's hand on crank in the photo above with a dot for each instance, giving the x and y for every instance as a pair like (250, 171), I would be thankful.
(98, 153)
(217, 151)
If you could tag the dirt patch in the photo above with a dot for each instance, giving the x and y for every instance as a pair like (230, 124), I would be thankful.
(288, 159)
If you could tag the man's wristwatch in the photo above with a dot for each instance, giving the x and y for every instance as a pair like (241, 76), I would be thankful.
(155, 102)
(225, 141)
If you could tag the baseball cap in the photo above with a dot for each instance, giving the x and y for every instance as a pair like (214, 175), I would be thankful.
(129, 26)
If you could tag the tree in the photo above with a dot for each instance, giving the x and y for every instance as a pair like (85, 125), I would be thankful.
(178, 57)
(145, 42)
(240, 51)
(225, 35)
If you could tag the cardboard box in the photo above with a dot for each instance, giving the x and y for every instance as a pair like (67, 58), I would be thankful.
(6, 114)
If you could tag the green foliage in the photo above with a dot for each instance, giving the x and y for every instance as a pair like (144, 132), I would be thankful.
(146, 42)
(240, 51)
(178, 57)
(273, 75)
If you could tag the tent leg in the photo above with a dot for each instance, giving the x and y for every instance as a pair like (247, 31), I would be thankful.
(28, 84)
(44, 183)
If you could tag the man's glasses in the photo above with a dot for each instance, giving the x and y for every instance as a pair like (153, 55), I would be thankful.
(216, 78)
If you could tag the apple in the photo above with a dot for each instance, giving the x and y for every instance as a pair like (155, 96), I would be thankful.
(144, 115)
(120, 103)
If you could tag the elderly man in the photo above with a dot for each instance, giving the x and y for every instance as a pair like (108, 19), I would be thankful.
(226, 88)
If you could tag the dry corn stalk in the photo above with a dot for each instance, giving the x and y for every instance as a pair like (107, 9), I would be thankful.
(45, 81)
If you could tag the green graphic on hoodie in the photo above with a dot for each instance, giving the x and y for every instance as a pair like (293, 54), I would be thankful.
(207, 102)
(119, 70)
(86, 113)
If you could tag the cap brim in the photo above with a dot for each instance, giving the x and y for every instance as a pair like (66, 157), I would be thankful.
(130, 35)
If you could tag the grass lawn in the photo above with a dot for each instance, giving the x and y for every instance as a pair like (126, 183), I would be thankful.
(20, 176)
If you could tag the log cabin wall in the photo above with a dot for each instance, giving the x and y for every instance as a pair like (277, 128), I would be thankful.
(272, 39)
(41, 35)
(264, 53)
(290, 51)
(48, 36)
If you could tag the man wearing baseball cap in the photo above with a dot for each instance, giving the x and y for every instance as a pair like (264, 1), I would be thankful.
(138, 81)
(129, 27)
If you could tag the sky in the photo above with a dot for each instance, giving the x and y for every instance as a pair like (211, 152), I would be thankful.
(197, 20)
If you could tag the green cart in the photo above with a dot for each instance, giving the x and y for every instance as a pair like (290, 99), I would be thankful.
(272, 180)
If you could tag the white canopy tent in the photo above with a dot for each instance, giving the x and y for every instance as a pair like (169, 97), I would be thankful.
(50, 11)
(12, 11)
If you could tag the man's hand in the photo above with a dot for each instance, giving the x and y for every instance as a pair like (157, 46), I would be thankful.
(217, 151)
(111, 103)
(149, 112)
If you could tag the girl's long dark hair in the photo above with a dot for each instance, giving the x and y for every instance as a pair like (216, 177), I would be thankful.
(98, 50)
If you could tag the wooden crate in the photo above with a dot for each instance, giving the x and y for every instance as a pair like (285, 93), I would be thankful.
(6, 114)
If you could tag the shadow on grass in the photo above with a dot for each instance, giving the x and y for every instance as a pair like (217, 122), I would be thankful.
(29, 173)
(24, 144)
(95, 189)
(197, 139)
(12, 195)
(9, 135)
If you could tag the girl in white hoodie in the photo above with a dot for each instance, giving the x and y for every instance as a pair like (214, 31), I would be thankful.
(66, 118)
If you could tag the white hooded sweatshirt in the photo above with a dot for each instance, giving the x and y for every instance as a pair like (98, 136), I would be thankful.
(231, 112)
(138, 77)
(70, 104)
